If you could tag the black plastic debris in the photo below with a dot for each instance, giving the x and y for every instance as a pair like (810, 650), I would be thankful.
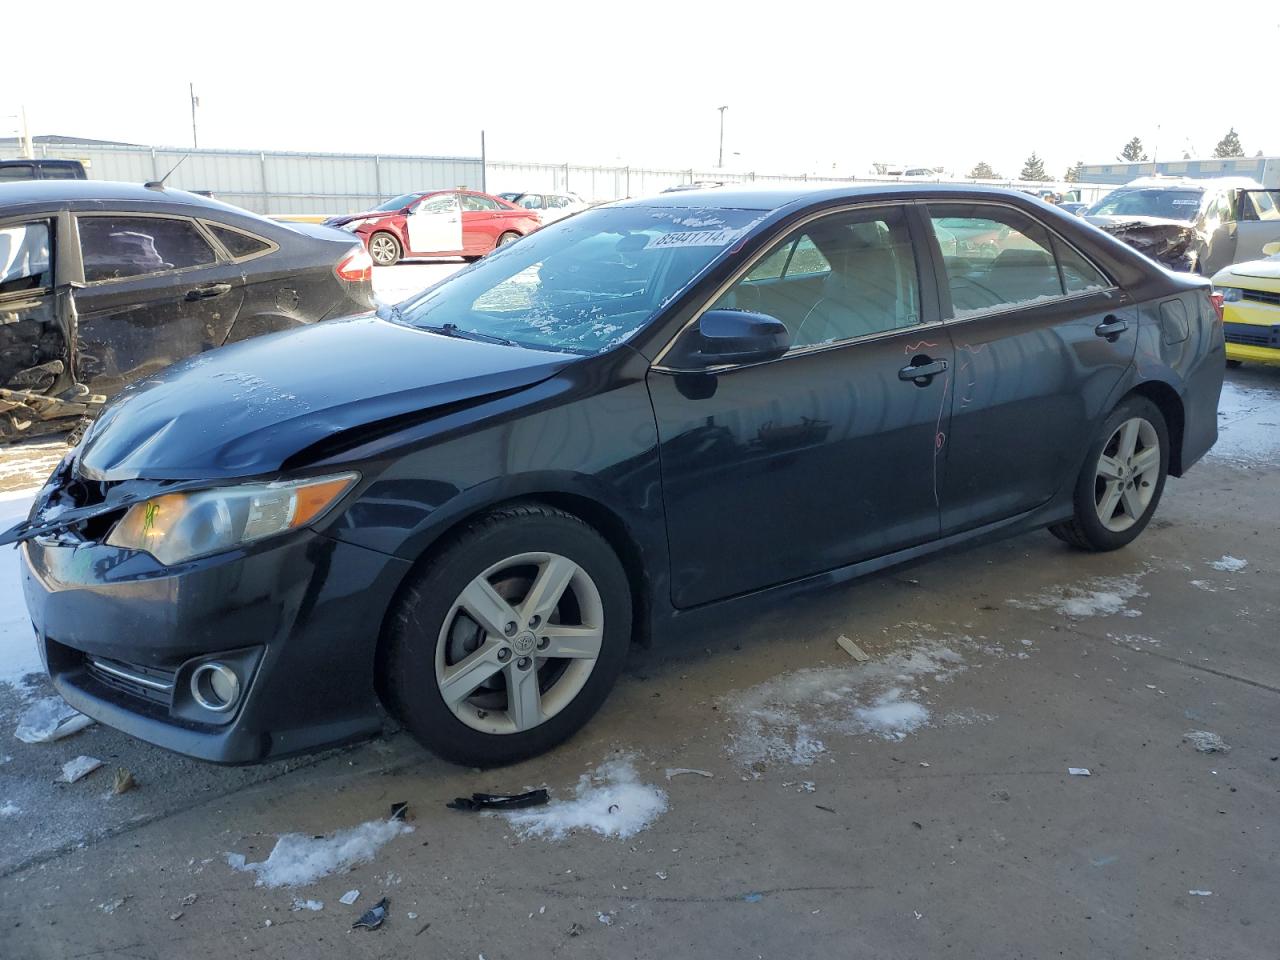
(400, 811)
(497, 801)
(372, 918)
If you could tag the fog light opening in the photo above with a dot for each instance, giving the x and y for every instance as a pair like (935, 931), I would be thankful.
(215, 687)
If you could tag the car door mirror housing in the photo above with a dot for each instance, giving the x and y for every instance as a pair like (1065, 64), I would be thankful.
(740, 336)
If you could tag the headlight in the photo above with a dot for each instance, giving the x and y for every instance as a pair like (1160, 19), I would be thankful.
(176, 527)
(1231, 294)
(356, 223)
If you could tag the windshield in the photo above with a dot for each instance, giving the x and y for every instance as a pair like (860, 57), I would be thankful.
(584, 284)
(1170, 204)
(397, 203)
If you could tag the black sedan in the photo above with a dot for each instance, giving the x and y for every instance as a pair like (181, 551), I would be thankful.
(466, 507)
(104, 283)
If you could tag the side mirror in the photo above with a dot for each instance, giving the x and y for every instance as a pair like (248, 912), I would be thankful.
(738, 336)
(1271, 249)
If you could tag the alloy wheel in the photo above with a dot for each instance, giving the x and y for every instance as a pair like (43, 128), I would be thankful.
(1127, 473)
(383, 250)
(519, 643)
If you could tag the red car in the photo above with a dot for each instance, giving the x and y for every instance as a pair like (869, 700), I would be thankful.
(438, 223)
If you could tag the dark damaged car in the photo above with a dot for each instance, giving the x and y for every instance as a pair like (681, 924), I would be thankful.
(465, 508)
(1196, 226)
(104, 283)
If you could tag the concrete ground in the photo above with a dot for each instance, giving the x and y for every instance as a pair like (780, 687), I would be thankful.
(915, 805)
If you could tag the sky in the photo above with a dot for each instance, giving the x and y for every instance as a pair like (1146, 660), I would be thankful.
(829, 90)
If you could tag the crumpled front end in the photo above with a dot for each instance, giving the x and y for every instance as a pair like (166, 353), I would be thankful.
(1170, 244)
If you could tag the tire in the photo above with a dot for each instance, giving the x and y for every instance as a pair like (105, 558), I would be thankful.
(432, 631)
(1139, 475)
(1234, 363)
(509, 237)
(385, 249)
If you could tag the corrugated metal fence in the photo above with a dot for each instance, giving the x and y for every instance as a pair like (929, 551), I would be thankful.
(278, 182)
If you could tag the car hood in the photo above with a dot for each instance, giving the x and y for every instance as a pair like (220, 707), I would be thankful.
(347, 218)
(1268, 269)
(1162, 239)
(243, 410)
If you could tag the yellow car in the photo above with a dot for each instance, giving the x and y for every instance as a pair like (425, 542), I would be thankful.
(1251, 307)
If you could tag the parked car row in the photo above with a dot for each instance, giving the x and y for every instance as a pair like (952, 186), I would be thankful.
(103, 284)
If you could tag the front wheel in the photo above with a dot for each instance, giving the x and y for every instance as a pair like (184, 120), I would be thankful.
(1122, 479)
(384, 248)
(508, 237)
(510, 638)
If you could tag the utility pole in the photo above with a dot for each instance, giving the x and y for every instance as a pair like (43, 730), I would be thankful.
(722, 110)
(26, 147)
(195, 102)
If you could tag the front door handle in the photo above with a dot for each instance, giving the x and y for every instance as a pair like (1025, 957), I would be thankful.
(1111, 327)
(208, 291)
(922, 370)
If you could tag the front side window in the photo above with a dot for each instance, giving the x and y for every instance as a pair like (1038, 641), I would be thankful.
(114, 247)
(438, 203)
(583, 285)
(844, 276)
(26, 257)
(997, 258)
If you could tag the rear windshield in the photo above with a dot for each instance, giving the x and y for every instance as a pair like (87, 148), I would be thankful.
(582, 285)
(1170, 204)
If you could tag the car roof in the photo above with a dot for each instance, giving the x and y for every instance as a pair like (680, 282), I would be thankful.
(53, 193)
(770, 198)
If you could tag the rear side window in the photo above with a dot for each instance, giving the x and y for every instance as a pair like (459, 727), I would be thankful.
(474, 203)
(114, 247)
(59, 173)
(26, 258)
(997, 258)
(238, 244)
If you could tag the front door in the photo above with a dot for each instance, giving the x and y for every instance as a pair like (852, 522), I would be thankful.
(1041, 339)
(155, 291)
(435, 226)
(828, 454)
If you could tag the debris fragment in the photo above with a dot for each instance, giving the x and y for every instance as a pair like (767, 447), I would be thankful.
(111, 906)
(49, 719)
(576, 929)
(372, 918)
(680, 771)
(500, 801)
(851, 648)
(423, 929)
(661, 874)
(400, 811)
(176, 916)
(821, 807)
(1079, 771)
(753, 897)
(79, 768)
(1200, 893)
(1206, 741)
(189, 899)
(306, 905)
(350, 897)
(605, 918)
(123, 782)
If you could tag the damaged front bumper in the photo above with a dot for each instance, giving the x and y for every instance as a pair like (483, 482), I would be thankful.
(295, 620)
(1173, 244)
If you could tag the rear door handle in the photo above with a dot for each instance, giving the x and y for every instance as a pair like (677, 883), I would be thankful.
(922, 370)
(1111, 327)
(208, 291)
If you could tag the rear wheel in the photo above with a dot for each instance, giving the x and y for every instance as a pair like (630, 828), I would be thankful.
(384, 248)
(1122, 479)
(510, 638)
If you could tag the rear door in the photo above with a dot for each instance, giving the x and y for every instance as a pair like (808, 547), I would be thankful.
(827, 455)
(1041, 339)
(1259, 223)
(435, 225)
(156, 289)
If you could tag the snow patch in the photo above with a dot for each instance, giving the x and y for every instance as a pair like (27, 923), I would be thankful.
(298, 860)
(1247, 421)
(1096, 597)
(9, 809)
(1206, 742)
(610, 801)
(892, 716)
(19, 656)
(1229, 564)
(48, 719)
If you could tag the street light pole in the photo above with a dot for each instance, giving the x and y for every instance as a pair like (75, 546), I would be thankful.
(195, 102)
(722, 110)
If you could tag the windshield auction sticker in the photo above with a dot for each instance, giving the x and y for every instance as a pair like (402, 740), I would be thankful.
(695, 238)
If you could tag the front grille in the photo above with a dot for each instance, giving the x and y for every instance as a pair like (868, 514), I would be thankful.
(1262, 296)
(1252, 335)
(146, 683)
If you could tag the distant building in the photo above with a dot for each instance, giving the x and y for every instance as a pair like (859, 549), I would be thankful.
(1266, 170)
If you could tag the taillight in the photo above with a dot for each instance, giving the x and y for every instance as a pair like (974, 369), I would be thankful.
(1215, 298)
(355, 266)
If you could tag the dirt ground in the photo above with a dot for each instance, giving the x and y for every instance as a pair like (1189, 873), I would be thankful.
(915, 805)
